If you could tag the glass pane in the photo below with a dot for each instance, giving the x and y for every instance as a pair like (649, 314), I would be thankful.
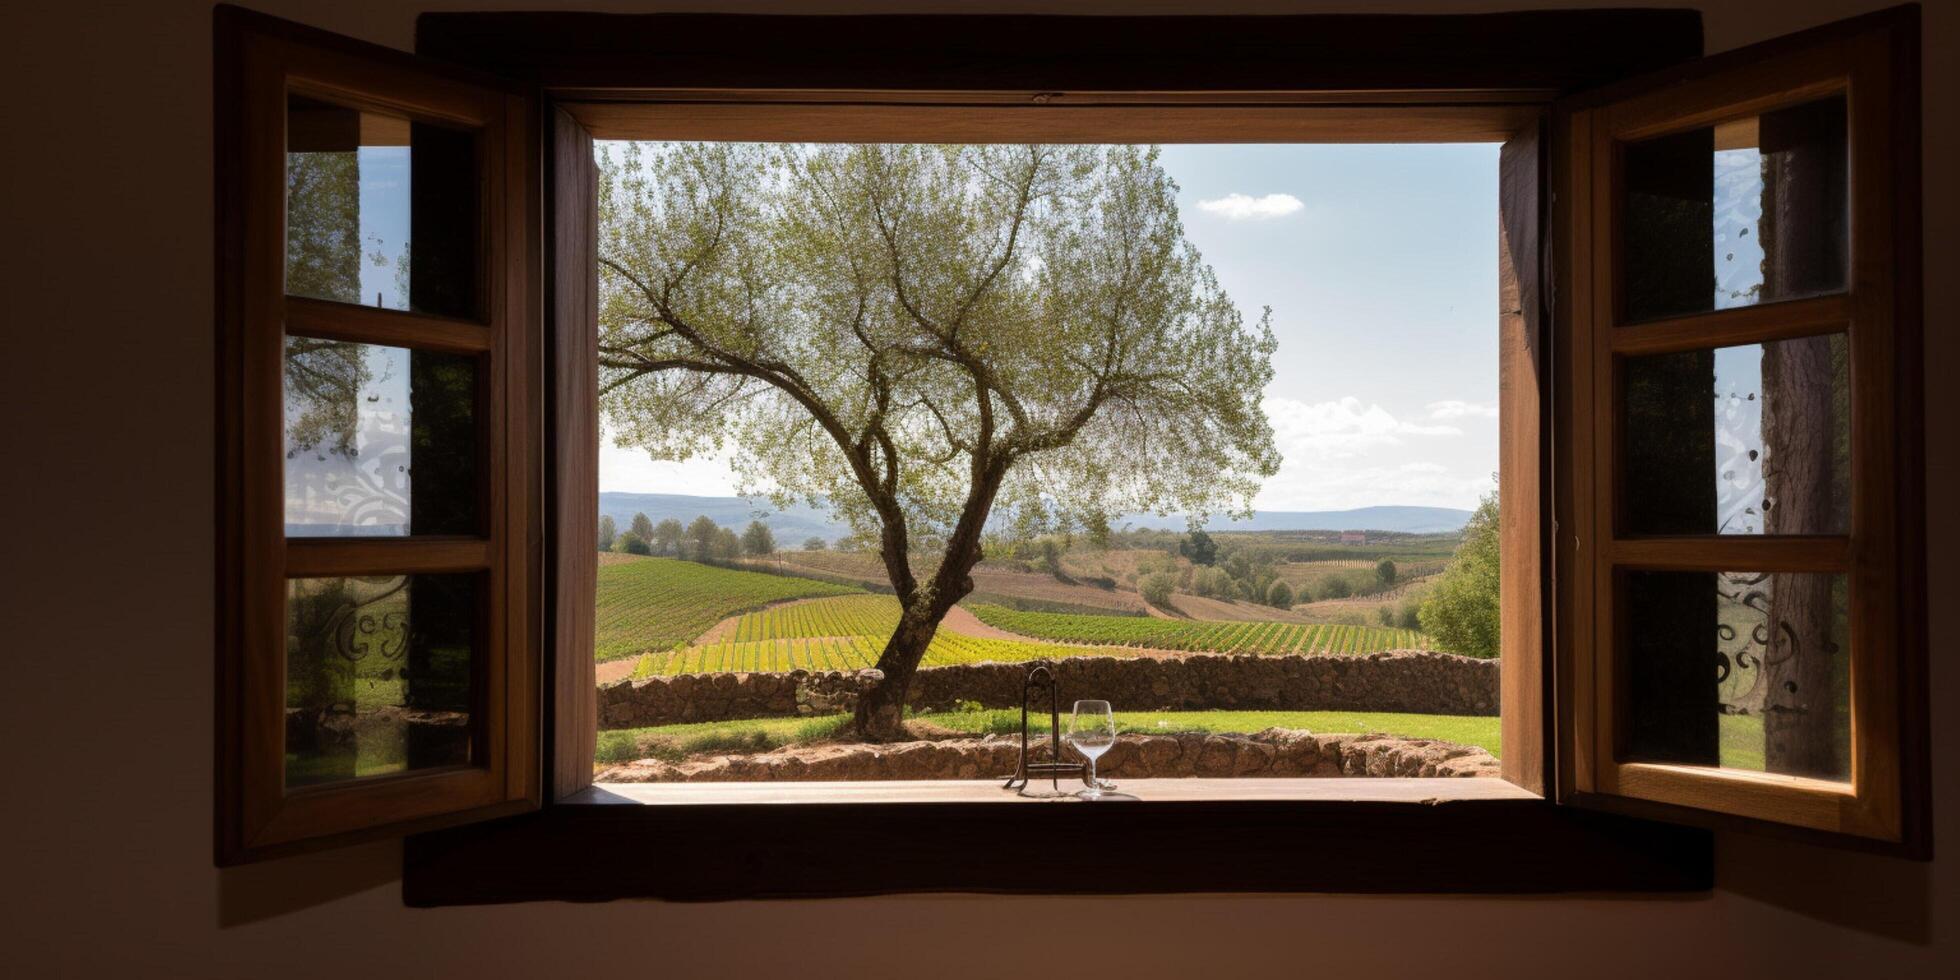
(380, 441)
(1743, 212)
(380, 210)
(1743, 670)
(378, 675)
(1753, 439)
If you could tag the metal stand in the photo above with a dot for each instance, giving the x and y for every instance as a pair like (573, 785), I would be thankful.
(1024, 770)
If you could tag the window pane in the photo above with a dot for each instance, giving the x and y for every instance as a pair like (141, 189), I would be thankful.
(380, 210)
(363, 422)
(1753, 439)
(378, 675)
(1748, 211)
(1743, 670)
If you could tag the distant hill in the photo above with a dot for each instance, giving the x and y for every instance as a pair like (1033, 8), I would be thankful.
(1411, 520)
(799, 522)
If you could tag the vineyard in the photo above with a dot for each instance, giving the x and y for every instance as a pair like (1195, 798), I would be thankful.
(656, 603)
(843, 633)
(1197, 636)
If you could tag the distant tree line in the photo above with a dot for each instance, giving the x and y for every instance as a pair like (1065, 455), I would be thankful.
(700, 540)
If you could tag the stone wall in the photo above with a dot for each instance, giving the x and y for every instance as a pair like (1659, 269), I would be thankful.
(1408, 681)
(1275, 752)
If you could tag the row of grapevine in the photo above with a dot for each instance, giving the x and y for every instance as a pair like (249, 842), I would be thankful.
(816, 653)
(1217, 637)
(655, 603)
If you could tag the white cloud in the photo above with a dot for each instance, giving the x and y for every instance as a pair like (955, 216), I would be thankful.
(1341, 428)
(1241, 207)
(1454, 409)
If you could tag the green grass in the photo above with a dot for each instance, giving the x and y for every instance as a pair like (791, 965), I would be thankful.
(673, 742)
(1201, 636)
(676, 742)
(655, 604)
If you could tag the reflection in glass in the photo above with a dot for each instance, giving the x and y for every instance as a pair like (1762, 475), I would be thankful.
(357, 184)
(378, 675)
(1743, 670)
(1748, 211)
(361, 422)
(1754, 439)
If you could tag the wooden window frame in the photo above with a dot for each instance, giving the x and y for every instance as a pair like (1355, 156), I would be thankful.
(1347, 77)
(1885, 805)
(261, 60)
(670, 76)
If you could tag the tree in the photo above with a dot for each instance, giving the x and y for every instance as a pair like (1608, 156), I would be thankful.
(1279, 595)
(757, 539)
(922, 338)
(701, 534)
(1385, 573)
(813, 543)
(1462, 611)
(632, 544)
(608, 530)
(1337, 587)
(726, 545)
(1157, 588)
(642, 527)
(1198, 547)
(667, 536)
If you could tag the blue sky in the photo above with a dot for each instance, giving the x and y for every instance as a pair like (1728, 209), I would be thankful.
(1380, 265)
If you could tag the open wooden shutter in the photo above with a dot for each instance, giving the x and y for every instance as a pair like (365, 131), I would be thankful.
(379, 502)
(1739, 483)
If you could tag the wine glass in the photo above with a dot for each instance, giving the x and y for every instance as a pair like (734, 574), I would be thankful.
(1091, 731)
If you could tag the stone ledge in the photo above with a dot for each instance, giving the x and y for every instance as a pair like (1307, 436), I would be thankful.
(1275, 752)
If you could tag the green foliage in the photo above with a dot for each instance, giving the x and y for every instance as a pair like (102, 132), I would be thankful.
(1461, 612)
(667, 537)
(656, 603)
(1408, 615)
(1157, 588)
(869, 326)
(726, 546)
(1385, 614)
(700, 539)
(642, 526)
(1198, 547)
(1385, 572)
(632, 544)
(1336, 587)
(1279, 595)
(608, 530)
(757, 539)
(813, 543)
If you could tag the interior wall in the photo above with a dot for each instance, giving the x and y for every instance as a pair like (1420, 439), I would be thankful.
(106, 584)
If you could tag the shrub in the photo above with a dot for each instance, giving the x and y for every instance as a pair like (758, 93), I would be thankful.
(813, 544)
(1462, 611)
(1385, 571)
(1337, 588)
(632, 544)
(1385, 614)
(1279, 595)
(1157, 588)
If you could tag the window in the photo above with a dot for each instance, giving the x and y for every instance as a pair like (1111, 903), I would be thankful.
(378, 658)
(1670, 246)
(1739, 256)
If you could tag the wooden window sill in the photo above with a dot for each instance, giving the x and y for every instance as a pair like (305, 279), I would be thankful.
(724, 841)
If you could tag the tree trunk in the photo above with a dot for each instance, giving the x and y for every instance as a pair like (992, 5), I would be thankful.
(1802, 233)
(881, 709)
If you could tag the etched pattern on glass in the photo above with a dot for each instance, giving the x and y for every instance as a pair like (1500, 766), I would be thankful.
(347, 439)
